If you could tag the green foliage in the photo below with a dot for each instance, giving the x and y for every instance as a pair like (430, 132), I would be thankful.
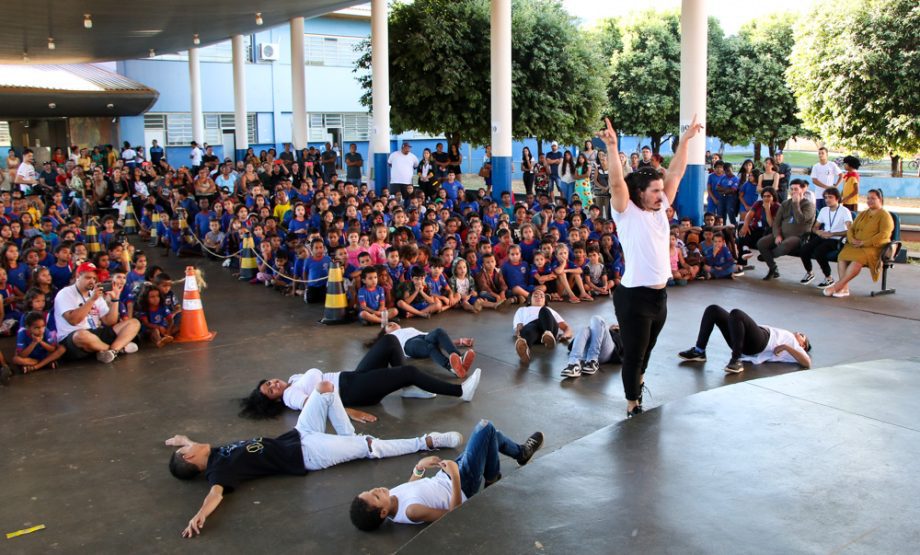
(855, 70)
(440, 72)
(644, 85)
(749, 98)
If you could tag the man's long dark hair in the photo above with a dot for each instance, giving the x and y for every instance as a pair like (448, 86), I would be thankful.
(638, 181)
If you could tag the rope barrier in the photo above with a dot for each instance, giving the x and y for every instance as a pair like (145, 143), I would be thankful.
(257, 257)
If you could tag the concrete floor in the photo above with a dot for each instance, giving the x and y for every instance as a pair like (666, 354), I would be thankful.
(84, 452)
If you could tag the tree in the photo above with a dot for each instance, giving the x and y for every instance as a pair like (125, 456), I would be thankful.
(644, 85)
(750, 99)
(440, 73)
(855, 69)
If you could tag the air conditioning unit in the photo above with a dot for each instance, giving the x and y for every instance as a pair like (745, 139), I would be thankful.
(268, 52)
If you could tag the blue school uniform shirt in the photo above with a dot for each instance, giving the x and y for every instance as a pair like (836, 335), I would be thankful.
(23, 340)
(202, 223)
(317, 269)
(60, 276)
(563, 228)
(18, 277)
(721, 262)
(748, 192)
(374, 298)
(435, 285)
(516, 275)
(158, 317)
(528, 250)
(296, 225)
(396, 274)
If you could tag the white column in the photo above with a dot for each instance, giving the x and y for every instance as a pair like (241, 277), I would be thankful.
(239, 96)
(298, 84)
(501, 96)
(194, 81)
(693, 46)
(380, 93)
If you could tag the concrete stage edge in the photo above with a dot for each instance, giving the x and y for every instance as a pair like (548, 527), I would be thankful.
(823, 461)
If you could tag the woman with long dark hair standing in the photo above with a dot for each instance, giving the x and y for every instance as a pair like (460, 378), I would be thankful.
(527, 170)
(639, 204)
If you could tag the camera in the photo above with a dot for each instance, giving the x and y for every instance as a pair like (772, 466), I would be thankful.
(107, 286)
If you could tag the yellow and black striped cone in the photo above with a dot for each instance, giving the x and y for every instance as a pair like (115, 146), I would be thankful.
(184, 231)
(92, 237)
(336, 300)
(130, 220)
(154, 224)
(248, 264)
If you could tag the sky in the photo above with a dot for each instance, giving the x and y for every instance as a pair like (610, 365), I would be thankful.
(732, 14)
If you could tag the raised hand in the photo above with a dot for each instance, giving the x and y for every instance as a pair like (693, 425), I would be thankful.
(695, 127)
(609, 136)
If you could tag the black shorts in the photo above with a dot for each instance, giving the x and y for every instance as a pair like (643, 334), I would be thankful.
(106, 334)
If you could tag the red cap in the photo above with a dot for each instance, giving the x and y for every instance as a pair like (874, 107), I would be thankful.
(86, 267)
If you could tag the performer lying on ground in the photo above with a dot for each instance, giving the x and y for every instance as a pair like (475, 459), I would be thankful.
(306, 448)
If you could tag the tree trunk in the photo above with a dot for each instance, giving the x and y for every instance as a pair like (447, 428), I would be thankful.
(895, 163)
(539, 147)
(781, 144)
(453, 138)
(656, 143)
(756, 152)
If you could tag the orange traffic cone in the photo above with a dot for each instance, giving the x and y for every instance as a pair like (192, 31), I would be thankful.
(193, 326)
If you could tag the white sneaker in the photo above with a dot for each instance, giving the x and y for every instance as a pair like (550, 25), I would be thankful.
(129, 349)
(414, 392)
(470, 385)
(548, 340)
(446, 440)
(106, 357)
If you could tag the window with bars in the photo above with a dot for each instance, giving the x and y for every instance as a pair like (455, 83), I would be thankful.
(5, 138)
(178, 127)
(324, 50)
(355, 126)
(220, 52)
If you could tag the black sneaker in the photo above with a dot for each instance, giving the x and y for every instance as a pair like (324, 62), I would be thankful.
(828, 281)
(694, 355)
(772, 273)
(572, 371)
(635, 412)
(748, 268)
(589, 367)
(531, 446)
(809, 277)
(734, 366)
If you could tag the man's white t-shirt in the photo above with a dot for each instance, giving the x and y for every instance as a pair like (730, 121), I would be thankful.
(645, 237)
(402, 167)
(128, 155)
(826, 173)
(835, 220)
(69, 299)
(302, 385)
(434, 492)
(778, 337)
(26, 171)
(196, 155)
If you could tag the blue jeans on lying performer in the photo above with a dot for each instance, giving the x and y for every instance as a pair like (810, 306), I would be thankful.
(592, 342)
(436, 345)
(480, 457)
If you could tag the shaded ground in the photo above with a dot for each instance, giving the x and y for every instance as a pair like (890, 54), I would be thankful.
(84, 452)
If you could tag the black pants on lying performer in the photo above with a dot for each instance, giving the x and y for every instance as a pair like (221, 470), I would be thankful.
(532, 332)
(741, 332)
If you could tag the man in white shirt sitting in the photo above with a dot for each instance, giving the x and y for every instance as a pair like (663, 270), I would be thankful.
(830, 228)
(422, 499)
(749, 341)
(86, 316)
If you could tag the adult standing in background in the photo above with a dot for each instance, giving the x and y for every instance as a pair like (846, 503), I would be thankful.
(554, 163)
(402, 167)
(353, 165)
(785, 172)
(527, 167)
(156, 152)
(825, 174)
(454, 160)
(195, 155)
(639, 204)
(329, 158)
(440, 162)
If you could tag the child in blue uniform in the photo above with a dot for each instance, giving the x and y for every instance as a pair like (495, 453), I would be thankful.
(36, 345)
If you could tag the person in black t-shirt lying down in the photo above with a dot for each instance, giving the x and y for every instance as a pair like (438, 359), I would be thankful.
(304, 449)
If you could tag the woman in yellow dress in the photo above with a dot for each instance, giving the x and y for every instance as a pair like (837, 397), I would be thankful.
(868, 234)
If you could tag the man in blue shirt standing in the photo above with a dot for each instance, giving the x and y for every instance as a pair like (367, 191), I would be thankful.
(156, 153)
(713, 182)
